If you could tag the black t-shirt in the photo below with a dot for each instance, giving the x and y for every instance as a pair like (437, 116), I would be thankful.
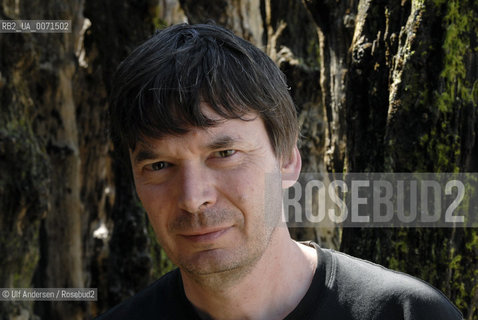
(343, 288)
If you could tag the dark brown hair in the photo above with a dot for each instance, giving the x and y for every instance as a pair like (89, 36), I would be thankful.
(158, 88)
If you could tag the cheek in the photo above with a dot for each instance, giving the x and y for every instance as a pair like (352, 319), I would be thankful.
(148, 196)
(155, 204)
(245, 188)
(247, 194)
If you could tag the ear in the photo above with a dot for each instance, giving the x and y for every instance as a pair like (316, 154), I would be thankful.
(290, 168)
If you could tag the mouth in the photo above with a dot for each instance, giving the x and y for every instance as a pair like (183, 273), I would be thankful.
(206, 235)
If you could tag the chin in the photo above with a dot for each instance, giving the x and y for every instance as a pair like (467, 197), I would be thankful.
(219, 262)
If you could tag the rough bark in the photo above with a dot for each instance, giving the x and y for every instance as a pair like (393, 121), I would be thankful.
(121, 262)
(335, 22)
(293, 42)
(24, 179)
(57, 190)
(409, 104)
(42, 112)
(241, 16)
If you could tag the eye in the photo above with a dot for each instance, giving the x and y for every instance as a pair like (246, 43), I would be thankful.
(156, 166)
(225, 153)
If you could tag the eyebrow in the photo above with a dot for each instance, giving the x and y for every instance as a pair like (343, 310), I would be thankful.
(222, 142)
(145, 154)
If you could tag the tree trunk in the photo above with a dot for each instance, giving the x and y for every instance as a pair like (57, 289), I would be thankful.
(57, 194)
(40, 128)
(121, 262)
(409, 104)
(293, 42)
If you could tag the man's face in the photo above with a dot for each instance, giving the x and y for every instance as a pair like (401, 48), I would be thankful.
(213, 196)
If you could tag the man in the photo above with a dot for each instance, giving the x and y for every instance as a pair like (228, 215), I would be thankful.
(211, 132)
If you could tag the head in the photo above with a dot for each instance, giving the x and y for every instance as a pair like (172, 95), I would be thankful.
(159, 88)
(205, 116)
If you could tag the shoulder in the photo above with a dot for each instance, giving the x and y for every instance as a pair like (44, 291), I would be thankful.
(373, 288)
(160, 300)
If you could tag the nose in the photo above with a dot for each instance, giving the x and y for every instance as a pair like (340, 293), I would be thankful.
(197, 190)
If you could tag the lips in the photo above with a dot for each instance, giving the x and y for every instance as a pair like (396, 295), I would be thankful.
(206, 235)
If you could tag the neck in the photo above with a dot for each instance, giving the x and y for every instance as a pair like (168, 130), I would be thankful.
(269, 289)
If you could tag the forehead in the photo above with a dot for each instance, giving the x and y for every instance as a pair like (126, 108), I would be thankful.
(247, 132)
(223, 132)
(231, 127)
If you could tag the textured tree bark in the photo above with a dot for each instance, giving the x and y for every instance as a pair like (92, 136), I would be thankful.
(57, 188)
(408, 104)
(121, 261)
(241, 16)
(24, 179)
(294, 43)
(335, 22)
(39, 84)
